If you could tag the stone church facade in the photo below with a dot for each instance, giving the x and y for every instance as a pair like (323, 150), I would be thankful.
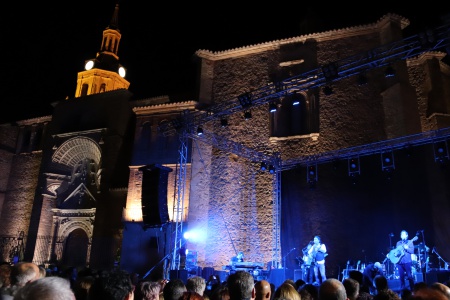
(72, 184)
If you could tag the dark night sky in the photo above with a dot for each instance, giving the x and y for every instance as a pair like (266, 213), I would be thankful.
(45, 45)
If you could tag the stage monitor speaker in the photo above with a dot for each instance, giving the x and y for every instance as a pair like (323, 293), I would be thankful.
(154, 194)
(441, 276)
(298, 274)
(277, 276)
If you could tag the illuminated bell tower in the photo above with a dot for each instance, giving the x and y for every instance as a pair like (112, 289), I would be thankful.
(104, 73)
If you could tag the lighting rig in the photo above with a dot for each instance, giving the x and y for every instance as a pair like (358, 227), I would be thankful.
(187, 124)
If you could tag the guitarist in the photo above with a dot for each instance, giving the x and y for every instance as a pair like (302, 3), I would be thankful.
(404, 264)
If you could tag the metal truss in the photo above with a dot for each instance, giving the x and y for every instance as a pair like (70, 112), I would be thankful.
(368, 149)
(428, 40)
(188, 122)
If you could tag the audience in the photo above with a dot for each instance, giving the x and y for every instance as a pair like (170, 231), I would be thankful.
(332, 289)
(241, 286)
(286, 291)
(308, 291)
(191, 295)
(196, 284)
(383, 292)
(48, 288)
(112, 285)
(442, 288)
(147, 290)
(263, 290)
(220, 293)
(174, 289)
(351, 288)
(21, 274)
(26, 280)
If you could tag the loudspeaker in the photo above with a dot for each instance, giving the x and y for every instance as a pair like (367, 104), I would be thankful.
(441, 276)
(207, 272)
(277, 277)
(298, 274)
(221, 275)
(394, 284)
(154, 194)
(179, 274)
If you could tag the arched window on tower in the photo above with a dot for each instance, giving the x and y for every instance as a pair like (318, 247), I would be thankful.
(296, 115)
(84, 89)
(102, 88)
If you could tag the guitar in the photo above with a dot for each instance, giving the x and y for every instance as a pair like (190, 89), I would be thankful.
(396, 254)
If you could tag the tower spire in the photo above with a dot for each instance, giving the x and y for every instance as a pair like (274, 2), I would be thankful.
(104, 72)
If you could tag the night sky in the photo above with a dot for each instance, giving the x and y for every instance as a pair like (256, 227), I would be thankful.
(45, 45)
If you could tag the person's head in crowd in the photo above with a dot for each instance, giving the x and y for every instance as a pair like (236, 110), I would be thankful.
(47, 288)
(332, 289)
(23, 273)
(442, 288)
(196, 284)
(174, 289)
(241, 286)
(428, 293)
(309, 289)
(299, 283)
(82, 286)
(5, 275)
(42, 272)
(147, 290)
(286, 291)
(381, 283)
(263, 290)
(112, 285)
(191, 295)
(351, 288)
(220, 293)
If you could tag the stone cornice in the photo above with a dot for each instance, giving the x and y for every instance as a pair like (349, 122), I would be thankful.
(319, 37)
(36, 120)
(422, 58)
(165, 108)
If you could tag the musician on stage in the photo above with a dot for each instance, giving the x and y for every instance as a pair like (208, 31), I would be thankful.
(238, 258)
(369, 273)
(318, 251)
(404, 264)
(307, 264)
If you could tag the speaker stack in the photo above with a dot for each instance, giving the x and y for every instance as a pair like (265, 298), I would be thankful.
(154, 195)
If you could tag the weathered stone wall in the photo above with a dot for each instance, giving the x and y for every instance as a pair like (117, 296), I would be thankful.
(8, 137)
(20, 194)
(238, 204)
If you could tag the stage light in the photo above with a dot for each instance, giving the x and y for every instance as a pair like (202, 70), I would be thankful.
(245, 99)
(330, 71)
(224, 122)
(199, 130)
(311, 175)
(387, 161)
(296, 97)
(272, 107)
(353, 166)
(440, 151)
(362, 79)
(327, 90)
(263, 166)
(271, 169)
(389, 72)
(247, 115)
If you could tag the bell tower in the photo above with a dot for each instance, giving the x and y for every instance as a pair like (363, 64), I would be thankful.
(104, 72)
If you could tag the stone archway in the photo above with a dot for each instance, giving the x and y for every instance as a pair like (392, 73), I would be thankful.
(76, 249)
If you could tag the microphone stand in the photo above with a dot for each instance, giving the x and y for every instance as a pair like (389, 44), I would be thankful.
(440, 258)
(284, 261)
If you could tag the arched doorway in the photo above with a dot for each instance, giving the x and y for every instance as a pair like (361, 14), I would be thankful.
(76, 249)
